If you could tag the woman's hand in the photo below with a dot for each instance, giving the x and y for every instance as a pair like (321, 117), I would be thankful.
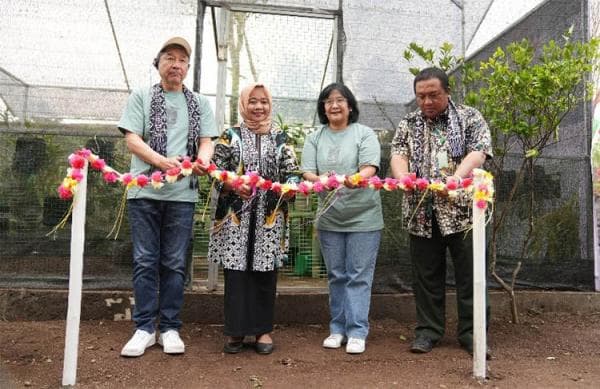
(288, 195)
(349, 184)
(244, 191)
(364, 173)
(312, 177)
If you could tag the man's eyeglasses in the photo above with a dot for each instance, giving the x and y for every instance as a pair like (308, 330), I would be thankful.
(338, 101)
(172, 61)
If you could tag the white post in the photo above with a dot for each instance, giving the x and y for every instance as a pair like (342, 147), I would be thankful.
(479, 290)
(595, 220)
(75, 281)
(595, 197)
(222, 31)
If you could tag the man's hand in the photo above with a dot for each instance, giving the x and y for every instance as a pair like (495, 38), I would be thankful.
(166, 163)
(199, 169)
(454, 178)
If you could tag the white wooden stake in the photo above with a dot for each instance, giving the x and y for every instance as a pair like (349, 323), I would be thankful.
(75, 281)
(596, 198)
(479, 290)
(596, 221)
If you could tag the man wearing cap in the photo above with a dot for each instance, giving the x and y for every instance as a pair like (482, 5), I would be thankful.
(162, 124)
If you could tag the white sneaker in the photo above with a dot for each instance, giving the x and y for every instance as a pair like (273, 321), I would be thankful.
(334, 341)
(355, 346)
(138, 343)
(171, 342)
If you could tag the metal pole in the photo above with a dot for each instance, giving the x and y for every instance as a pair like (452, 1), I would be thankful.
(479, 289)
(460, 4)
(112, 27)
(341, 44)
(25, 107)
(198, 46)
(462, 29)
(75, 282)
(222, 47)
(463, 46)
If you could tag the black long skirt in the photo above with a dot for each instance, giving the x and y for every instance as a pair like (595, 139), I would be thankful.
(249, 302)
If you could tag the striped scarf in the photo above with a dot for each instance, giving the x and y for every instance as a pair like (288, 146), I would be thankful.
(158, 121)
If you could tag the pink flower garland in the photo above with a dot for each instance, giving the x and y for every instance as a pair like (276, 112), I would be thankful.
(483, 194)
(77, 161)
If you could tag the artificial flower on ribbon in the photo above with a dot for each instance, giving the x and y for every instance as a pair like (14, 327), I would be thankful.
(483, 193)
(156, 179)
(186, 166)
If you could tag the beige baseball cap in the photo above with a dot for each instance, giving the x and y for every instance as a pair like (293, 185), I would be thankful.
(179, 41)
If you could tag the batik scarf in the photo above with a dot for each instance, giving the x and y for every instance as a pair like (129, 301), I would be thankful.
(158, 121)
(454, 133)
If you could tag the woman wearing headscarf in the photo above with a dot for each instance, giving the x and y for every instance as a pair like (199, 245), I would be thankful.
(350, 227)
(249, 235)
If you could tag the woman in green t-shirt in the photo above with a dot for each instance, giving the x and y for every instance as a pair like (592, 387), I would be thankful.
(349, 228)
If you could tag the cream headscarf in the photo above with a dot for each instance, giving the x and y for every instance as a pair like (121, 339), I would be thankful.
(264, 126)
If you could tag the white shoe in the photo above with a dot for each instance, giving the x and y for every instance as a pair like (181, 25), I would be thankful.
(334, 341)
(138, 343)
(171, 342)
(355, 346)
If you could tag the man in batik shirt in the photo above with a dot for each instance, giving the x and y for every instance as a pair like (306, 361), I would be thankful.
(439, 141)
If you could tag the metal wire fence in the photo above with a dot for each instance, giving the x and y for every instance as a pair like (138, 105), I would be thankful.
(35, 162)
(39, 117)
(45, 88)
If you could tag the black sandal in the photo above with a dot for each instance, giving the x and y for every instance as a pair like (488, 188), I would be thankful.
(234, 346)
(264, 348)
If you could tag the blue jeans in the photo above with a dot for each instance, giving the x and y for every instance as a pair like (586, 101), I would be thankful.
(160, 233)
(350, 259)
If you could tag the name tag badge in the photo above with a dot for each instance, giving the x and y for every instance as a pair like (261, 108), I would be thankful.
(442, 159)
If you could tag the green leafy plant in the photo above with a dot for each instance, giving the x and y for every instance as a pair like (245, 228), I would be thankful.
(443, 58)
(297, 132)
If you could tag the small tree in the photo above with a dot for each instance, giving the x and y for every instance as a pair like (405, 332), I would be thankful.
(524, 93)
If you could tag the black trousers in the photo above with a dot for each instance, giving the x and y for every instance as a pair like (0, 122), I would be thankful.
(249, 302)
(428, 257)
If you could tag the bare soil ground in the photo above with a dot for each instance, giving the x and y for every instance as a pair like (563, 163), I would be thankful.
(547, 350)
